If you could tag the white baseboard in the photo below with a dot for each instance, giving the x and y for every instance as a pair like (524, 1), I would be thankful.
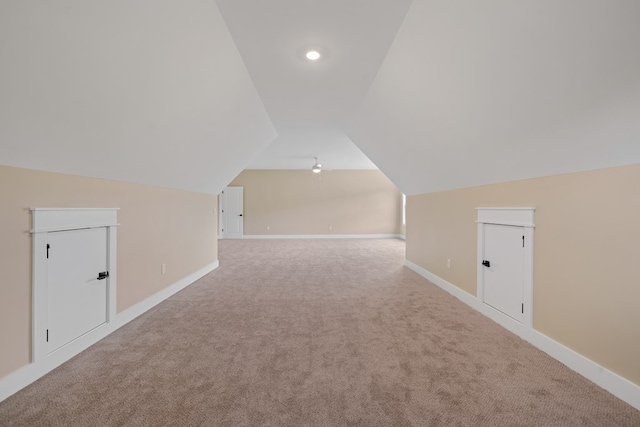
(323, 236)
(155, 299)
(24, 376)
(608, 380)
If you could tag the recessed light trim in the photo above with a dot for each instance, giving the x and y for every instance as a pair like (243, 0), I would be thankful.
(312, 55)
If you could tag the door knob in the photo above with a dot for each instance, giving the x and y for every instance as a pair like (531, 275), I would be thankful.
(486, 263)
(239, 214)
(103, 275)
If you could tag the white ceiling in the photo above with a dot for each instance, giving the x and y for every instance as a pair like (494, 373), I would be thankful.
(479, 92)
(439, 94)
(310, 102)
(151, 92)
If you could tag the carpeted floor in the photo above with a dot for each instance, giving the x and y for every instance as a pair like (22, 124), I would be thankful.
(313, 333)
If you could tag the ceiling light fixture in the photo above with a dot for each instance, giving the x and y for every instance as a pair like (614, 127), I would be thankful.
(312, 55)
(317, 168)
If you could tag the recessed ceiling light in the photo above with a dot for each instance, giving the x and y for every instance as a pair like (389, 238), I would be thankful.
(312, 55)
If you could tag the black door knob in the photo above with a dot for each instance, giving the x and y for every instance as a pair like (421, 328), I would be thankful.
(486, 263)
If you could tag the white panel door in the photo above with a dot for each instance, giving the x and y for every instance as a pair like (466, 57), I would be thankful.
(233, 212)
(504, 260)
(77, 299)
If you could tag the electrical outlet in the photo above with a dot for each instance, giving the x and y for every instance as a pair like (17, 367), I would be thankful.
(268, 228)
(448, 263)
(331, 227)
(163, 268)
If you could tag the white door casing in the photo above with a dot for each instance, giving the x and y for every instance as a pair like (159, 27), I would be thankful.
(233, 212)
(511, 261)
(53, 295)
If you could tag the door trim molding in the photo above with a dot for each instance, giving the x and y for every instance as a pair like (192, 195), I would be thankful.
(62, 219)
(519, 217)
(44, 221)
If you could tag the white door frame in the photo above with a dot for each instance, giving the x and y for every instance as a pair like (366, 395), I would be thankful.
(520, 217)
(44, 221)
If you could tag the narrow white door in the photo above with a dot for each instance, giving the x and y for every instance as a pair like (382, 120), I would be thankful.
(77, 299)
(233, 212)
(504, 261)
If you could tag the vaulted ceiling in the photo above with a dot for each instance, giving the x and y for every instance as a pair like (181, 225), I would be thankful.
(478, 92)
(310, 103)
(437, 94)
(146, 91)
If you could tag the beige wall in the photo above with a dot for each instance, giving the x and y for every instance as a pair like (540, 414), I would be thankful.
(586, 255)
(299, 202)
(158, 226)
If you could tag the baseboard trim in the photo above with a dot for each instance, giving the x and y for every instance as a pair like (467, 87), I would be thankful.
(132, 312)
(323, 236)
(608, 380)
(24, 376)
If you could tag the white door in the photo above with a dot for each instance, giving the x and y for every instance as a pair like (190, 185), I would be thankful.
(233, 223)
(77, 299)
(504, 261)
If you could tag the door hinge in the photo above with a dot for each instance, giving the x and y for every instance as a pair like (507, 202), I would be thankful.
(522, 308)
(47, 335)
(48, 247)
(523, 241)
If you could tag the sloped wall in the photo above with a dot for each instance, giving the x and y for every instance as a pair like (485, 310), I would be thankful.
(474, 93)
(140, 91)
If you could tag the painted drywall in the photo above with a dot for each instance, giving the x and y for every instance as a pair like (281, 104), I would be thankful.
(157, 225)
(144, 91)
(586, 269)
(298, 202)
(481, 92)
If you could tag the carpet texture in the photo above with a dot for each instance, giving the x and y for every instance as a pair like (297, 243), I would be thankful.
(313, 333)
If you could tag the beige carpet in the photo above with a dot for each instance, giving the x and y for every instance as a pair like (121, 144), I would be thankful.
(313, 333)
